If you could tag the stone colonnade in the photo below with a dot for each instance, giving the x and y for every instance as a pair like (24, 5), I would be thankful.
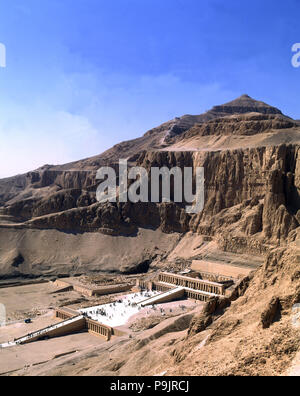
(192, 283)
(214, 277)
(61, 314)
(196, 295)
(91, 325)
(162, 288)
(98, 329)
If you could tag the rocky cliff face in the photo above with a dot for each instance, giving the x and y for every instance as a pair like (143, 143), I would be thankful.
(251, 193)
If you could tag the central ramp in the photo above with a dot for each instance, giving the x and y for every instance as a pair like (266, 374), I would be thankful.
(63, 328)
(171, 295)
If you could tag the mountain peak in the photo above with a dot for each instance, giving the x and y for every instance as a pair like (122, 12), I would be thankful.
(246, 104)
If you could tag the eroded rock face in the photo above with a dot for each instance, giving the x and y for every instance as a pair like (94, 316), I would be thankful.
(254, 191)
(251, 194)
(269, 314)
(55, 203)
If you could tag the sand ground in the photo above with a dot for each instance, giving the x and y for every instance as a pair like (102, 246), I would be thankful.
(32, 300)
(23, 357)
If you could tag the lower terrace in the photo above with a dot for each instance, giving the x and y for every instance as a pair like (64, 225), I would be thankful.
(103, 320)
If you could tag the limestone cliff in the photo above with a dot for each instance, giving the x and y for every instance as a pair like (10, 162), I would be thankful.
(251, 189)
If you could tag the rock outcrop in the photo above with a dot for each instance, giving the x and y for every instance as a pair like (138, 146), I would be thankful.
(251, 193)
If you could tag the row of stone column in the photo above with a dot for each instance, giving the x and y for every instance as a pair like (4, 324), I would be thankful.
(62, 315)
(161, 288)
(197, 296)
(192, 284)
(97, 329)
(214, 277)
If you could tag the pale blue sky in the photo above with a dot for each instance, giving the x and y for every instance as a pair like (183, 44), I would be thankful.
(83, 75)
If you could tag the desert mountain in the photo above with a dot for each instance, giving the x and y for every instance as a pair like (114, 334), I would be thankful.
(159, 137)
(250, 154)
(232, 125)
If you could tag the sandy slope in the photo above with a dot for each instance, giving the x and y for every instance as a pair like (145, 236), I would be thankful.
(50, 252)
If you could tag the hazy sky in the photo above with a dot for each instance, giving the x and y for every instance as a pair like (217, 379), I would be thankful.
(83, 75)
